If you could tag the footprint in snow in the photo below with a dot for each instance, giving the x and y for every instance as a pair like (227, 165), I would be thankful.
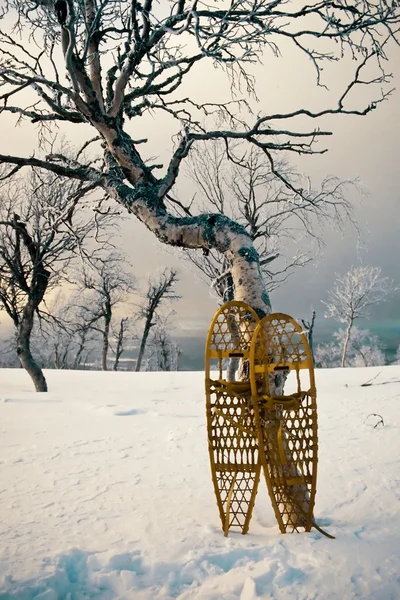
(129, 413)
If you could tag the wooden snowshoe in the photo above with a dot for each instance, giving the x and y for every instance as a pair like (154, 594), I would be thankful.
(232, 439)
(286, 424)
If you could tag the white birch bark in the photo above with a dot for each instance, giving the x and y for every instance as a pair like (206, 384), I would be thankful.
(208, 232)
(346, 344)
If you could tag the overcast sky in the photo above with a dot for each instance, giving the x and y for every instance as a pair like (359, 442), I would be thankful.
(367, 147)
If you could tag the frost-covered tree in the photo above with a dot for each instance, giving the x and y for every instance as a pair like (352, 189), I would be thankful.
(327, 355)
(398, 356)
(353, 295)
(363, 350)
(105, 66)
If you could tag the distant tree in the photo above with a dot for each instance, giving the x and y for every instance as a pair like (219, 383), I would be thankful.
(159, 291)
(398, 356)
(8, 356)
(80, 325)
(163, 352)
(119, 335)
(65, 340)
(44, 226)
(363, 350)
(83, 336)
(52, 344)
(353, 295)
(328, 355)
(107, 285)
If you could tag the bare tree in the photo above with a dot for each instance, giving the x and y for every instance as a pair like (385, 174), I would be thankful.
(125, 60)
(52, 344)
(163, 351)
(159, 290)
(85, 338)
(42, 228)
(308, 327)
(8, 357)
(353, 295)
(65, 339)
(119, 336)
(246, 190)
(105, 287)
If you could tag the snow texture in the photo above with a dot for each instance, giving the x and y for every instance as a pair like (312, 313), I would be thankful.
(105, 493)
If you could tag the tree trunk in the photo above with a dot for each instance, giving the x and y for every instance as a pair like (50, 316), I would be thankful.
(104, 351)
(204, 231)
(346, 344)
(81, 346)
(207, 232)
(309, 332)
(143, 343)
(107, 315)
(120, 343)
(106, 334)
(311, 337)
(164, 360)
(233, 366)
(24, 352)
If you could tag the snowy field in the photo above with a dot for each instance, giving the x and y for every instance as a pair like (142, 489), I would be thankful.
(105, 493)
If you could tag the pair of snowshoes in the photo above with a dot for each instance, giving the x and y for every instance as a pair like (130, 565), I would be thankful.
(261, 417)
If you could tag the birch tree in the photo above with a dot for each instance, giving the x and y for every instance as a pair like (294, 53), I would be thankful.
(122, 61)
(352, 296)
(43, 227)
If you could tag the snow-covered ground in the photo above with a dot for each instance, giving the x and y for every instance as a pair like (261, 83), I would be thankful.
(105, 493)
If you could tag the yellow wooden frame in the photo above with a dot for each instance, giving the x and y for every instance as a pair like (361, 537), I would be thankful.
(286, 425)
(232, 439)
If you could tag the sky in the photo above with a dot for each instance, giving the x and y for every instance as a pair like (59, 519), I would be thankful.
(364, 147)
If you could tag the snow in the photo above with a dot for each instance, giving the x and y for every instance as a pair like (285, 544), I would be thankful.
(105, 493)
